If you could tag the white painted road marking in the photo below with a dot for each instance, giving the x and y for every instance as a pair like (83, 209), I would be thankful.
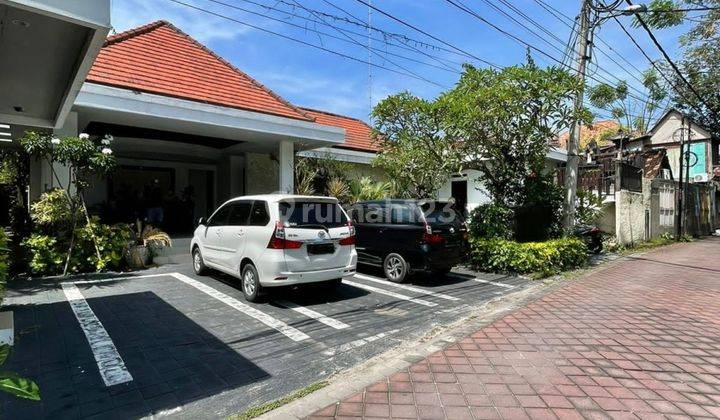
(407, 287)
(357, 343)
(330, 322)
(495, 283)
(111, 365)
(389, 293)
(290, 332)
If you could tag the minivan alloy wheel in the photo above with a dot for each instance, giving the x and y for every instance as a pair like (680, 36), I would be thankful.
(197, 261)
(249, 282)
(394, 268)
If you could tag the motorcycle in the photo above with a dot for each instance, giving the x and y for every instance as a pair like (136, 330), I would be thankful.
(591, 235)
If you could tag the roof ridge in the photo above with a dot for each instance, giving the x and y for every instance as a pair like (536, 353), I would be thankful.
(160, 23)
(305, 108)
(122, 36)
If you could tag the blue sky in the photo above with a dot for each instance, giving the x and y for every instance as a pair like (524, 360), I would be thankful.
(309, 77)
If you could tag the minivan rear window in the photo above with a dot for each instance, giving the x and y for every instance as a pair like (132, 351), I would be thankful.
(312, 214)
(441, 212)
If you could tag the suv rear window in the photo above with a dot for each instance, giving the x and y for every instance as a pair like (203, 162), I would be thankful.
(312, 214)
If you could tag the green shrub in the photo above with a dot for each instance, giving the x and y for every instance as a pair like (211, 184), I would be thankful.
(491, 220)
(544, 258)
(48, 254)
(52, 210)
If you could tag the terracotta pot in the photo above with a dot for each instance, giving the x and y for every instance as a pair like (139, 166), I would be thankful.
(138, 256)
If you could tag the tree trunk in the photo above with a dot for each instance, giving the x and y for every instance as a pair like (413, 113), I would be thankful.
(72, 244)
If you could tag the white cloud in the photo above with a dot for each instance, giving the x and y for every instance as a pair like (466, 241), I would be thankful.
(128, 14)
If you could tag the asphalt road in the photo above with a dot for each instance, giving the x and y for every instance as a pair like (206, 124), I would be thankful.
(188, 346)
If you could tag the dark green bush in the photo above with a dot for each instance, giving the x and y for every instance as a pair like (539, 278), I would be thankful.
(48, 254)
(543, 258)
(491, 220)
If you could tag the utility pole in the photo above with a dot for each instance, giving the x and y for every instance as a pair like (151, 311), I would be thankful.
(681, 192)
(573, 149)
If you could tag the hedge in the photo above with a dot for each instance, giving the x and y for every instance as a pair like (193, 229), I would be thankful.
(540, 258)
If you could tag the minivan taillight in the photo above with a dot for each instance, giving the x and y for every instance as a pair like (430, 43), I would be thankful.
(350, 240)
(278, 241)
(431, 238)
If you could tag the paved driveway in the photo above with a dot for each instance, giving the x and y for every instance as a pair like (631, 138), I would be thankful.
(187, 346)
(637, 340)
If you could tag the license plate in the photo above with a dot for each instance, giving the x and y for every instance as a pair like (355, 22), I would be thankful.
(319, 249)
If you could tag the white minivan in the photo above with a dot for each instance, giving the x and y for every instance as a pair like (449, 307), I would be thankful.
(276, 240)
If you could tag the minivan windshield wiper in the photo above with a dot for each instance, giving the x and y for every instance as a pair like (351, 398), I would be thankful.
(310, 226)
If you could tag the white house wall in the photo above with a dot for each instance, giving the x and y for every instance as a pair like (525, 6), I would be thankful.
(476, 193)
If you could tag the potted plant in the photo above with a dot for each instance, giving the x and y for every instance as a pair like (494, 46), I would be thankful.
(145, 238)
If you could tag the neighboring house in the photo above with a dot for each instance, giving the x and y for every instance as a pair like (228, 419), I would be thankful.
(639, 175)
(597, 134)
(667, 133)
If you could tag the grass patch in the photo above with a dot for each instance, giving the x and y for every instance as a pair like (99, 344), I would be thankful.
(662, 240)
(253, 412)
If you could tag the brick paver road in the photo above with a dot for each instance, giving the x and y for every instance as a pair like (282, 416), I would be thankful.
(639, 339)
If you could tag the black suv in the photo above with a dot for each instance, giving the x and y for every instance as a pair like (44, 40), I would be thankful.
(407, 236)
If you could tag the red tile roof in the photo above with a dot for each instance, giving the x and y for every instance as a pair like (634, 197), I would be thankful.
(590, 132)
(358, 135)
(159, 58)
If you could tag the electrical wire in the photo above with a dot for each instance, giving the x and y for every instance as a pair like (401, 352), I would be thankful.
(289, 38)
(671, 62)
(469, 11)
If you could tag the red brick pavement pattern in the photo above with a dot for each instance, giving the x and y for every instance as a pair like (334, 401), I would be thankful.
(637, 340)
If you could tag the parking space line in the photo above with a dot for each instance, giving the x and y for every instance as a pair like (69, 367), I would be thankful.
(330, 322)
(357, 343)
(406, 287)
(494, 283)
(110, 364)
(290, 332)
(389, 293)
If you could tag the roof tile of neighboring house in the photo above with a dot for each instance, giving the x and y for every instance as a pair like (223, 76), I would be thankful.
(159, 58)
(358, 135)
(590, 132)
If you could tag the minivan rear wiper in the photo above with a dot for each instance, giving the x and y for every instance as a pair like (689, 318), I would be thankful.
(323, 227)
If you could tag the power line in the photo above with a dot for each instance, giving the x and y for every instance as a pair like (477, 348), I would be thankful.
(349, 57)
(304, 28)
(655, 66)
(670, 61)
(371, 51)
(469, 11)
(409, 25)
(642, 94)
(404, 39)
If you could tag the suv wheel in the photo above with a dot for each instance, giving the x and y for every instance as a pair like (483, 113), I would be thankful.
(251, 283)
(198, 263)
(395, 268)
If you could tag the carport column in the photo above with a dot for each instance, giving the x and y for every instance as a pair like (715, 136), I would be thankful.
(286, 157)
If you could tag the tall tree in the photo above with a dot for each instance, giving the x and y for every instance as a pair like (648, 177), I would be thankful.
(634, 115)
(415, 149)
(700, 62)
(506, 119)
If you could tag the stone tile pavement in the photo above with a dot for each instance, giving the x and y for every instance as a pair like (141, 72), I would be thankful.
(639, 339)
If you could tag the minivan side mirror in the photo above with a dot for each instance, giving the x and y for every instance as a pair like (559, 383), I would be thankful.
(201, 221)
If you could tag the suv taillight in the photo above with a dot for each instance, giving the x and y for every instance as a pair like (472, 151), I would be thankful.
(278, 241)
(350, 240)
(431, 238)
